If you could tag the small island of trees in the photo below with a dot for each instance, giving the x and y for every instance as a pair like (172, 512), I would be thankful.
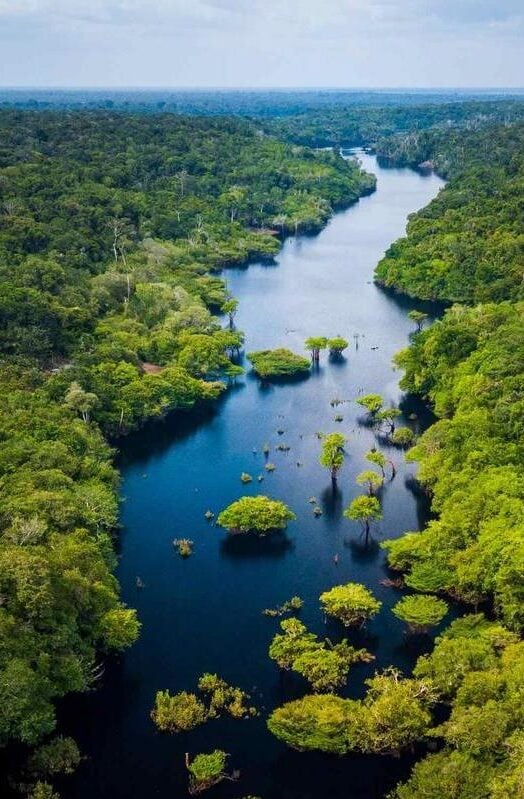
(278, 363)
(258, 514)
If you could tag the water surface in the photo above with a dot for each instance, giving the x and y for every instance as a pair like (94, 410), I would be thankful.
(204, 613)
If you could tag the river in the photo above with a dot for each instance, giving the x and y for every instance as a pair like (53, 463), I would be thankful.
(204, 613)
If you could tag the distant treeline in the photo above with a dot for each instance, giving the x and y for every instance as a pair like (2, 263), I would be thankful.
(243, 102)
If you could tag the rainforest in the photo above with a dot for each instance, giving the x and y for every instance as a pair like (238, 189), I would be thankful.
(262, 445)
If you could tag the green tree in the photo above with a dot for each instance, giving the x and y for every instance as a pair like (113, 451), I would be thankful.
(364, 509)
(230, 307)
(332, 453)
(447, 775)
(402, 437)
(278, 363)
(373, 404)
(314, 344)
(353, 604)
(420, 612)
(259, 514)
(418, 317)
(337, 346)
(206, 770)
(179, 712)
(316, 722)
(80, 401)
(371, 480)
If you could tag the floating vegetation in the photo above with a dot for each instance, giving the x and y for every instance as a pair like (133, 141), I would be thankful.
(184, 711)
(246, 478)
(140, 583)
(260, 478)
(266, 449)
(317, 511)
(209, 515)
(280, 431)
(270, 467)
(339, 418)
(206, 770)
(283, 447)
(312, 500)
(336, 401)
(292, 605)
(225, 698)
(184, 546)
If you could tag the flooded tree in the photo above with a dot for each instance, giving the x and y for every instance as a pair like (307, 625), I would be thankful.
(314, 344)
(418, 317)
(206, 770)
(372, 480)
(337, 346)
(353, 604)
(420, 612)
(258, 514)
(365, 510)
(332, 453)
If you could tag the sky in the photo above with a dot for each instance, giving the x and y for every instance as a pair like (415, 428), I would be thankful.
(262, 43)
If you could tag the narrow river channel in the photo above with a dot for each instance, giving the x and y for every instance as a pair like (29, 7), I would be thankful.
(204, 613)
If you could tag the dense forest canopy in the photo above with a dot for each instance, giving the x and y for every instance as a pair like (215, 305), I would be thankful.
(110, 229)
(112, 226)
(467, 245)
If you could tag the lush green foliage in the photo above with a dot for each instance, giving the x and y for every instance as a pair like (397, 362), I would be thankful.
(206, 770)
(420, 612)
(356, 124)
(332, 453)
(179, 712)
(259, 514)
(352, 604)
(278, 363)
(185, 711)
(470, 365)
(393, 716)
(478, 667)
(466, 245)
(324, 665)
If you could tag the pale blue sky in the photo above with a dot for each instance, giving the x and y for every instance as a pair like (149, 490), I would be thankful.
(169, 43)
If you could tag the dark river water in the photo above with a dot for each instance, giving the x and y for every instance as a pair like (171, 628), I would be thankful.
(204, 613)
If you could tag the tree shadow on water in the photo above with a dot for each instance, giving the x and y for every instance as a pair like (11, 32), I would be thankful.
(331, 501)
(362, 552)
(250, 545)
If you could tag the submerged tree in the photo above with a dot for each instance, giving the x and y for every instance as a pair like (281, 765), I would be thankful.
(380, 460)
(179, 712)
(353, 604)
(364, 509)
(332, 453)
(230, 307)
(387, 417)
(259, 514)
(278, 363)
(324, 665)
(392, 717)
(337, 346)
(418, 317)
(372, 403)
(371, 480)
(402, 437)
(420, 612)
(314, 344)
(206, 770)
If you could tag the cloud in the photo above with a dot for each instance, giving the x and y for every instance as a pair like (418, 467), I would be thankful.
(284, 42)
